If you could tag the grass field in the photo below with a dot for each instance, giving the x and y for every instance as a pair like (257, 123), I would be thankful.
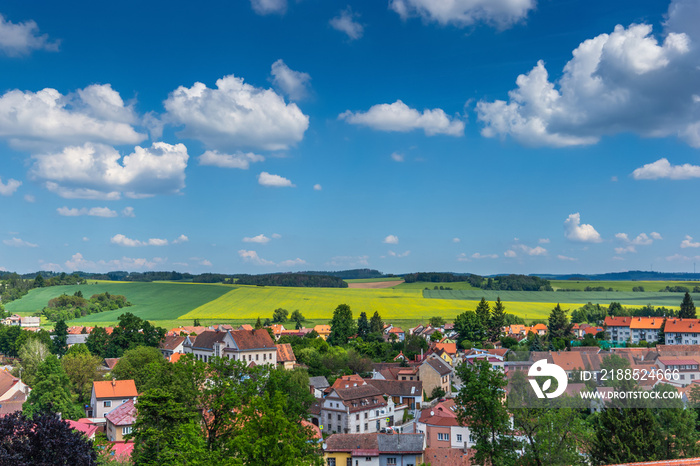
(649, 286)
(601, 297)
(430, 286)
(373, 280)
(151, 301)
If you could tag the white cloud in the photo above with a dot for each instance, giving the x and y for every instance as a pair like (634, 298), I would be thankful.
(584, 233)
(662, 168)
(49, 119)
(510, 253)
(239, 159)
(29, 198)
(688, 242)
(97, 171)
(260, 239)
(396, 157)
(391, 239)
(276, 236)
(236, 115)
(456, 240)
(536, 251)
(21, 38)
(78, 262)
(399, 254)
(266, 7)
(181, 239)
(205, 263)
(463, 258)
(348, 261)
(566, 258)
(461, 13)
(544, 241)
(128, 212)
(625, 81)
(318, 187)
(19, 243)
(292, 263)
(122, 240)
(630, 244)
(682, 258)
(655, 235)
(9, 188)
(252, 257)
(274, 181)
(477, 255)
(345, 22)
(86, 239)
(625, 249)
(402, 118)
(92, 212)
(295, 84)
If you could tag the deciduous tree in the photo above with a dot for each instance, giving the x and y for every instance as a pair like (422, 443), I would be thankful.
(342, 325)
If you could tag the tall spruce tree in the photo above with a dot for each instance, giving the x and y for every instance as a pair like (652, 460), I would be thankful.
(687, 308)
(342, 325)
(483, 312)
(559, 326)
(60, 339)
(497, 320)
(363, 327)
(376, 324)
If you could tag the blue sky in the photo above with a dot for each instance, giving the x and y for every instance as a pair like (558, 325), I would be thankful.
(256, 136)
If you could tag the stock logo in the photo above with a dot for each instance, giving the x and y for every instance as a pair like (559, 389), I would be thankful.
(543, 369)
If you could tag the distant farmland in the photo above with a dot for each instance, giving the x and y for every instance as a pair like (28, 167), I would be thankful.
(648, 286)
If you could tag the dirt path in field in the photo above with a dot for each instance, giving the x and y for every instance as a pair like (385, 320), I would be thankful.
(387, 284)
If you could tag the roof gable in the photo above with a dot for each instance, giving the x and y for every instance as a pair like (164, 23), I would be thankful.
(115, 389)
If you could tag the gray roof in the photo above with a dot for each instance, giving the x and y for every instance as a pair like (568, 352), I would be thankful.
(400, 443)
(441, 367)
(319, 382)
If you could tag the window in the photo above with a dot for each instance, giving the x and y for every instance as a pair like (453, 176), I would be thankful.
(357, 417)
(329, 416)
(365, 426)
(331, 461)
(339, 417)
(348, 462)
(257, 357)
(107, 404)
(459, 437)
(391, 461)
(366, 415)
(445, 437)
(264, 356)
(126, 430)
(357, 428)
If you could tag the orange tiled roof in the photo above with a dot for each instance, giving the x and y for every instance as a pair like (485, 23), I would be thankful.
(647, 322)
(285, 353)
(348, 381)
(115, 389)
(682, 326)
(395, 330)
(538, 327)
(617, 321)
(321, 329)
(246, 327)
(449, 348)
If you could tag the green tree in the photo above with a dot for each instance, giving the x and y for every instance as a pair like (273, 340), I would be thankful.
(436, 321)
(132, 331)
(32, 354)
(298, 318)
(483, 312)
(82, 368)
(342, 325)
(258, 324)
(279, 315)
(363, 327)
(687, 307)
(196, 323)
(558, 325)
(39, 281)
(140, 364)
(468, 326)
(60, 339)
(51, 391)
(266, 435)
(97, 341)
(376, 324)
(480, 407)
(497, 320)
(616, 309)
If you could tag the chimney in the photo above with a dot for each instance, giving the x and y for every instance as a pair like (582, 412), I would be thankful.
(114, 381)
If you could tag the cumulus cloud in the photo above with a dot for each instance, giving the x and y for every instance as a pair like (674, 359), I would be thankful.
(295, 84)
(584, 233)
(345, 22)
(682, 258)
(274, 181)
(510, 253)
(78, 262)
(292, 263)
(128, 212)
(399, 254)
(19, 243)
(92, 212)
(536, 251)
(625, 249)
(29, 198)
(625, 81)
(396, 157)
(402, 118)
(253, 258)
(456, 240)
(97, 171)
(276, 236)
(260, 239)
(49, 119)
(122, 240)
(477, 255)
(461, 13)
(318, 187)
(21, 38)
(662, 168)
(266, 7)
(9, 188)
(391, 239)
(689, 243)
(239, 159)
(630, 244)
(566, 258)
(236, 115)
(348, 261)
(543, 241)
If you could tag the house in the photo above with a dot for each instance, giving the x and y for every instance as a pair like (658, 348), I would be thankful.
(409, 393)
(374, 449)
(120, 421)
(107, 395)
(13, 404)
(317, 385)
(14, 319)
(88, 429)
(246, 327)
(110, 363)
(682, 331)
(285, 356)
(277, 330)
(10, 386)
(441, 427)
(357, 409)
(687, 367)
(400, 334)
(240, 345)
(30, 322)
(539, 329)
(323, 331)
(171, 344)
(435, 373)
(618, 328)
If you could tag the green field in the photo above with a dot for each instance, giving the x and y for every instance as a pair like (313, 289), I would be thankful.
(374, 280)
(629, 298)
(649, 286)
(151, 301)
(430, 286)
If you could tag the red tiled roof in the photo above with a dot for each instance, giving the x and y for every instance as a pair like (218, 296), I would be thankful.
(647, 322)
(682, 326)
(252, 339)
(111, 362)
(87, 429)
(175, 357)
(285, 353)
(449, 348)
(115, 389)
(348, 381)
(171, 342)
(246, 327)
(617, 321)
(122, 450)
(677, 362)
(7, 381)
(396, 330)
(123, 415)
